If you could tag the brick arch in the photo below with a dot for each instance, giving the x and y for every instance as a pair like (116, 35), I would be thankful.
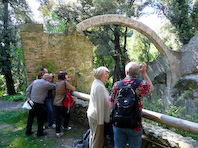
(171, 58)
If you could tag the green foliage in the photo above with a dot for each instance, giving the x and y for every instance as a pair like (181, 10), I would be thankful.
(153, 104)
(15, 97)
(18, 68)
(110, 40)
(2, 85)
(57, 25)
(12, 13)
(50, 65)
(105, 6)
(141, 49)
(182, 15)
(169, 37)
(186, 85)
(175, 110)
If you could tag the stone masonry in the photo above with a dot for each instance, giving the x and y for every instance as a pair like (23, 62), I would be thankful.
(71, 53)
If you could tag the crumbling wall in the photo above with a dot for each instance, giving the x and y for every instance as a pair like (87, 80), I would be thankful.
(71, 52)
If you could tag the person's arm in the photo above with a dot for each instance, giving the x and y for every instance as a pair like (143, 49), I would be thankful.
(28, 91)
(70, 87)
(100, 97)
(146, 78)
(113, 94)
(50, 85)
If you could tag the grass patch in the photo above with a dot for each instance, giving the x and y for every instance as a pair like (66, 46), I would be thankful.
(12, 132)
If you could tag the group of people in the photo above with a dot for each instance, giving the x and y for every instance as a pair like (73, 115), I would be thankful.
(40, 92)
(101, 106)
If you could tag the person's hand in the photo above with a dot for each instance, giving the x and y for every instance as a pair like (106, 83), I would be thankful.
(143, 69)
(68, 79)
(52, 75)
(28, 99)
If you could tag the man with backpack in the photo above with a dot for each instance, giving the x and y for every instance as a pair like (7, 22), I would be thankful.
(127, 102)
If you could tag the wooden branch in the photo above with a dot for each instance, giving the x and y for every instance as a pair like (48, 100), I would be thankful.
(81, 95)
(177, 123)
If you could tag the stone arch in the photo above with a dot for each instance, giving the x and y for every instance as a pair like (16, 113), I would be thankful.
(171, 58)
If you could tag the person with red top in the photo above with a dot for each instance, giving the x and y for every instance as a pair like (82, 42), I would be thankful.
(130, 136)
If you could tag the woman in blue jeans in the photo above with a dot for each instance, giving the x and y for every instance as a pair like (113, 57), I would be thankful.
(62, 86)
(49, 109)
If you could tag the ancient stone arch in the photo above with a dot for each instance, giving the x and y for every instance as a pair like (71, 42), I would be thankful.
(171, 58)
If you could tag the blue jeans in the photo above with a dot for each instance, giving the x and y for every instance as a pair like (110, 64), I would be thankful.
(49, 111)
(124, 136)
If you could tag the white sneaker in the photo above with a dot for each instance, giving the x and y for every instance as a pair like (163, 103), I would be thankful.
(53, 126)
(68, 128)
(59, 134)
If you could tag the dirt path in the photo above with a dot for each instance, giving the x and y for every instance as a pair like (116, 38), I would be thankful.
(64, 142)
(10, 105)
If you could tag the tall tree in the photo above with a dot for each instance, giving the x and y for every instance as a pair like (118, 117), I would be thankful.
(5, 56)
(11, 12)
(182, 15)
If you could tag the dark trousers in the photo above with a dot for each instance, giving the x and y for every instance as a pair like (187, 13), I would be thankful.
(38, 111)
(61, 112)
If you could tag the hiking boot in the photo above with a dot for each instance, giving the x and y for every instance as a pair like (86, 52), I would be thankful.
(59, 134)
(44, 133)
(28, 133)
(68, 128)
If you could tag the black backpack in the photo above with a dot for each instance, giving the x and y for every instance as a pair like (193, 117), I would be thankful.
(126, 113)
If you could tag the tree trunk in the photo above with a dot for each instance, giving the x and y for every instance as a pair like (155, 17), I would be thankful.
(124, 55)
(116, 57)
(116, 74)
(6, 63)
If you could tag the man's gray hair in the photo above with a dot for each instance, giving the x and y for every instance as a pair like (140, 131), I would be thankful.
(46, 76)
(100, 71)
(132, 68)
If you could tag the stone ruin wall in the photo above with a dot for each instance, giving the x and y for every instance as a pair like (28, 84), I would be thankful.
(154, 136)
(188, 80)
(71, 53)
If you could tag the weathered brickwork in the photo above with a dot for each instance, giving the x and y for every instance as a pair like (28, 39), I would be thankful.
(71, 53)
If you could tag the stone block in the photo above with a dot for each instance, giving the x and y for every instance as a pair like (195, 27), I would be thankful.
(31, 27)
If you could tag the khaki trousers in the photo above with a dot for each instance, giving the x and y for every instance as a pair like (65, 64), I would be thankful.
(96, 139)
